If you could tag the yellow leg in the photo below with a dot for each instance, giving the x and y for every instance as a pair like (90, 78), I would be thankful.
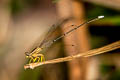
(42, 58)
(38, 59)
(34, 59)
(31, 59)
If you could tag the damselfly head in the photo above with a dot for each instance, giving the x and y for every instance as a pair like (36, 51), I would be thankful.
(27, 54)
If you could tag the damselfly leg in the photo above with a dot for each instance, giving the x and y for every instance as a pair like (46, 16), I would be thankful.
(35, 56)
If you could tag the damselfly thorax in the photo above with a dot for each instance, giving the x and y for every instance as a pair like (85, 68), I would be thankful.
(36, 54)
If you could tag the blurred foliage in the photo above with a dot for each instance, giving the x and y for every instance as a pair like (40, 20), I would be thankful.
(95, 40)
(30, 74)
(16, 6)
(55, 1)
(115, 75)
(110, 71)
(93, 10)
(106, 68)
(31, 2)
(111, 16)
(103, 35)
(100, 36)
(113, 20)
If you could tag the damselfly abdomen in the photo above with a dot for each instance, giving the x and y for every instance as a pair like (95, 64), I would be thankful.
(36, 54)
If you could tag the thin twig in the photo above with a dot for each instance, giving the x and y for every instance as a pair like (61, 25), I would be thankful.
(107, 48)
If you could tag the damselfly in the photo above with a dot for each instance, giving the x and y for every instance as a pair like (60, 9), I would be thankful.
(36, 56)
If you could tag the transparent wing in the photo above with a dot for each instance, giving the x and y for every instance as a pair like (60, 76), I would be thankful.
(50, 34)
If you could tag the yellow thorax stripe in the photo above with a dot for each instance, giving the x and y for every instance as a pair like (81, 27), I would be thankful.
(37, 50)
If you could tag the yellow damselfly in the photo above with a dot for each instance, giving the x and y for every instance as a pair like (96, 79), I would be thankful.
(36, 54)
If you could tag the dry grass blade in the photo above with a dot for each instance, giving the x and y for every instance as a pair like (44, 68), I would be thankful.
(107, 48)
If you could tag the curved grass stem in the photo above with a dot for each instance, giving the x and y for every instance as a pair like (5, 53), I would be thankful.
(104, 49)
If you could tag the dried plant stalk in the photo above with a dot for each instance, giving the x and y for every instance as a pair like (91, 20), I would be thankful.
(107, 48)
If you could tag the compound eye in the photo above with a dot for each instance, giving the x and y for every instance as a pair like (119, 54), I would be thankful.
(26, 53)
(27, 56)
